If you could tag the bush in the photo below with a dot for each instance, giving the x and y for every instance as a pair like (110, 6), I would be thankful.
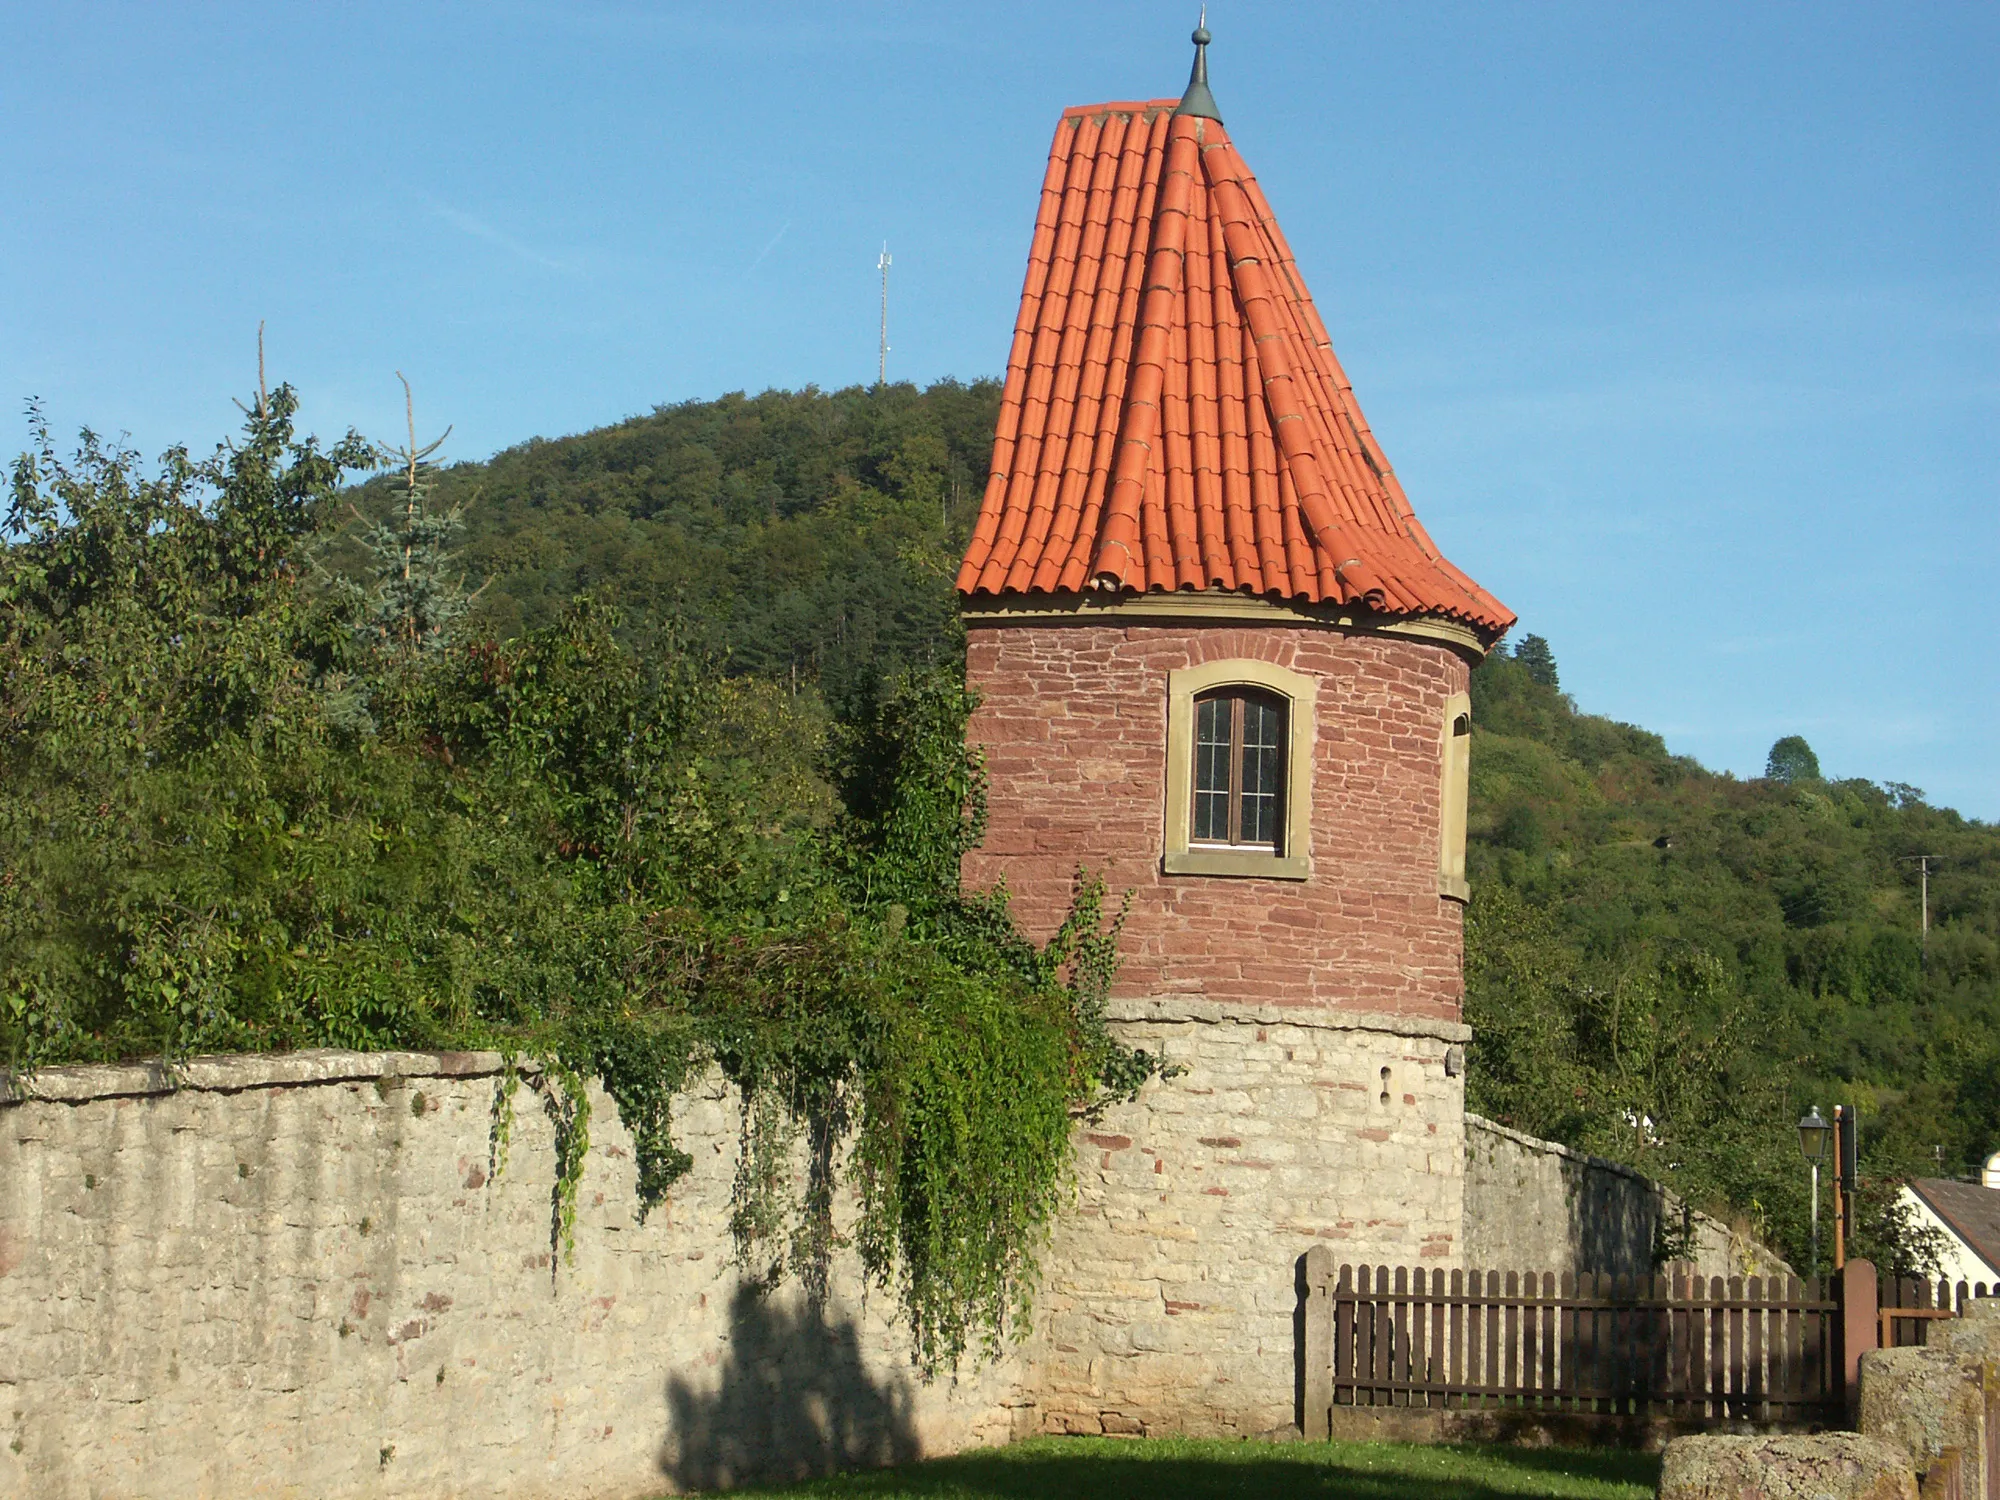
(244, 810)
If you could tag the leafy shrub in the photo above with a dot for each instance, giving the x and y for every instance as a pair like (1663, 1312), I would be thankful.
(244, 811)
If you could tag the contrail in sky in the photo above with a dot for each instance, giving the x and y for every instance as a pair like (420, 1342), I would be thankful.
(768, 248)
(481, 230)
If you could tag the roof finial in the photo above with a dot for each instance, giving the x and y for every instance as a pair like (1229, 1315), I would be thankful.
(1198, 101)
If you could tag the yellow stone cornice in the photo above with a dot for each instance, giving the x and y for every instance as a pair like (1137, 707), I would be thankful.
(1214, 607)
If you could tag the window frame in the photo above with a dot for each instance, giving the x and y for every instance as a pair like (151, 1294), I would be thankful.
(1292, 859)
(1235, 745)
(1455, 758)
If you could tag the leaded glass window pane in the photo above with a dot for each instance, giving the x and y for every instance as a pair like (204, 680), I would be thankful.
(1263, 737)
(1239, 761)
(1211, 769)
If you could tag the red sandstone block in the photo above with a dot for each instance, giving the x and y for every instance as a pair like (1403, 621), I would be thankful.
(1375, 813)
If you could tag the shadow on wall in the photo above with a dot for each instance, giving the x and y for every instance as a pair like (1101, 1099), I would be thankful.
(1537, 1205)
(794, 1400)
(1301, 1294)
(1614, 1222)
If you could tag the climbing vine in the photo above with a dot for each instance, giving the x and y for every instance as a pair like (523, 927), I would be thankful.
(920, 1044)
(567, 1102)
(500, 1132)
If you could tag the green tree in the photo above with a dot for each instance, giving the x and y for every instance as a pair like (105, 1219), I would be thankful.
(1668, 966)
(808, 537)
(1792, 760)
(415, 594)
(1534, 654)
(162, 733)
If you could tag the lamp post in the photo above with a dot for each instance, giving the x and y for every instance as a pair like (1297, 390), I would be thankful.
(1813, 1132)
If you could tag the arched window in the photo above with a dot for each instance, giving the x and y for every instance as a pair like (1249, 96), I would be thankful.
(1239, 769)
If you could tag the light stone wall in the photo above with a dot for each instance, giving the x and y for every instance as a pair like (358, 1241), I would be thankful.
(311, 1288)
(297, 1275)
(1535, 1205)
(1172, 1289)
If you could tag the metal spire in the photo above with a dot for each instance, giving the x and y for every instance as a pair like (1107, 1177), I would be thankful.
(1198, 101)
(882, 358)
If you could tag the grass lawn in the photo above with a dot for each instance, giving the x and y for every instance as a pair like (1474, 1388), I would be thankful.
(1184, 1469)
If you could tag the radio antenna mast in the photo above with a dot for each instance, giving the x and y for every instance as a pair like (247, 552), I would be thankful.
(882, 359)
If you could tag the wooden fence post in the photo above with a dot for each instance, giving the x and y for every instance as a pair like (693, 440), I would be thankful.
(1859, 1325)
(1989, 1432)
(1318, 1393)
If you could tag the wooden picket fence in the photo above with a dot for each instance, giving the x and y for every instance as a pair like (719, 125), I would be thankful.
(1908, 1307)
(1672, 1345)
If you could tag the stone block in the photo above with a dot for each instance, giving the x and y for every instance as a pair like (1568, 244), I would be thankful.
(1820, 1466)
(1977, 1332)
(1926, 1401)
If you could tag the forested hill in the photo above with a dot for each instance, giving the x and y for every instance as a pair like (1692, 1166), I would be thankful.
(810, 535)
(1650, 941)
(1668, 965)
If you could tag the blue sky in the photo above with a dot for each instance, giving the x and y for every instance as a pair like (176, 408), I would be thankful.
(1680, 323)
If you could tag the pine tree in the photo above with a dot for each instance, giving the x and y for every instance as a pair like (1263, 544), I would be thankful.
(416, 597)
(1534, 654)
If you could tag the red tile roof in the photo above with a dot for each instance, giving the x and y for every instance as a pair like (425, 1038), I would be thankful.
(1174, 417)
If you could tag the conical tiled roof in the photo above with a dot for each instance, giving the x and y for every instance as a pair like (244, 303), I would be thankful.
(1174, 417)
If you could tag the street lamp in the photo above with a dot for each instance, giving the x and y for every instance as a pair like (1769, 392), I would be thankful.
(1813, 1132)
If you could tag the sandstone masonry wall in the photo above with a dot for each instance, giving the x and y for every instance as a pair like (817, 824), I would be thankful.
(1533, 1204)
(295, 1277)
(1314, 1018)
(1072, 719)
(1171, 1291)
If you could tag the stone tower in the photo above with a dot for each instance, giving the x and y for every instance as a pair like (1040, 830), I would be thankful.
(1222, 664)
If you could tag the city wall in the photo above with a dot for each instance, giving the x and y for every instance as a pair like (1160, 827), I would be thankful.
(300, 1275)
(1172, 1290)
(1533, 1204)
